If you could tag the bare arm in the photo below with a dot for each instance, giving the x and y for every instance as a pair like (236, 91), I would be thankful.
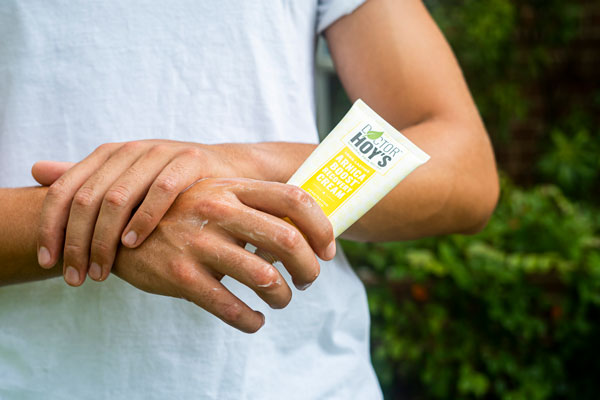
(21, 207)
(392, 55)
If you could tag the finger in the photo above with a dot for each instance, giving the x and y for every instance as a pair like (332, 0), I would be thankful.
(84, 212)
(274, 235)
(46, 172)
(291, 201)
(57, 204)
(120, 199)
(174, 179)
(251, 270)
(199, 287)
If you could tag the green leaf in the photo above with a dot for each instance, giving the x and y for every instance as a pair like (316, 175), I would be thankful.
(373, 135)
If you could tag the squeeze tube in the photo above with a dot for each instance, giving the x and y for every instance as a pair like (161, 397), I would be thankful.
(361, 160)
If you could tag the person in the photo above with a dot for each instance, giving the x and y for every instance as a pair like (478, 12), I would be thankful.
(223, 94)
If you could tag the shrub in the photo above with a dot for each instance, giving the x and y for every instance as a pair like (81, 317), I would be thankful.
(509, 313)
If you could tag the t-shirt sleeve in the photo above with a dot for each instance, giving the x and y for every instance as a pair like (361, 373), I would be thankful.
(329, 11)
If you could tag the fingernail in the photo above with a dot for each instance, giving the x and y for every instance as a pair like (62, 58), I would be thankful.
(130, 238)
(330, 251)
(303, 287)
(44, 257)
(263, 320)
(72, 276)
(95, 272)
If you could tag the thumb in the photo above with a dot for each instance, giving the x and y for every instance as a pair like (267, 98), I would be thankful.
(46, 172)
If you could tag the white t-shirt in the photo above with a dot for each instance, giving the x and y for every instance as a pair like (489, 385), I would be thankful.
(78, 73)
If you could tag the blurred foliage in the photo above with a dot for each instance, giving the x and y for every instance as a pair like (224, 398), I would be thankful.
(571, 158)
(510, 313)
(503, 46)
(520, 65)
(573, 162)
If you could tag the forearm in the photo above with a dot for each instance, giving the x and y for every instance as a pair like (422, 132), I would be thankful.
(446, 195)
(454, 192)
(19, 219)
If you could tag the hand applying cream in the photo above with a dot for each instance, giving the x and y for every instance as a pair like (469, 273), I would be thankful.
(358, 163)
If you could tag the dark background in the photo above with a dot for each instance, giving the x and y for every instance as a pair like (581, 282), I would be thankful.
(514, 311)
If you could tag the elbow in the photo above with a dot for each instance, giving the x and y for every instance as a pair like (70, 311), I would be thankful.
(475, 188)
(483, 195)
(480, 215)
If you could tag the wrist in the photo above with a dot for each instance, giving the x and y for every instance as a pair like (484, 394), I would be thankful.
(276, 161)
(266, 161)
(237, 160)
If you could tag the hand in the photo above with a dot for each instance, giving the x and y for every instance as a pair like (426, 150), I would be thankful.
(92, 202)
(201, 239)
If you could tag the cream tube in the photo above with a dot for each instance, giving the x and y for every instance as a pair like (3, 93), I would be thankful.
(358, 163)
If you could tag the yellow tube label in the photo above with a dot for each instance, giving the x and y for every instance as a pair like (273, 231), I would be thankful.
(355, 166)
(336, 180)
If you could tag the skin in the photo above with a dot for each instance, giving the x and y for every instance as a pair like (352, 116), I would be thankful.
(201, 222)
(89, 206)
(200, 240)
(417, 86)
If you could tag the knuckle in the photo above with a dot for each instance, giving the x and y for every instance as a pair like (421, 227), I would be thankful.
(290, 239)
(131, 147)
(145, 216)
(192, 152)
(297, 196)
(231, 313)
(46, 232)
(216, 208)
(265, 278)
(58, 189)
(159, 149)
(166, 184)
(117, 196)
(85, 197)
(182, 275)
(73, 249)
(100, 247)
(104, 147)
(107, 148)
